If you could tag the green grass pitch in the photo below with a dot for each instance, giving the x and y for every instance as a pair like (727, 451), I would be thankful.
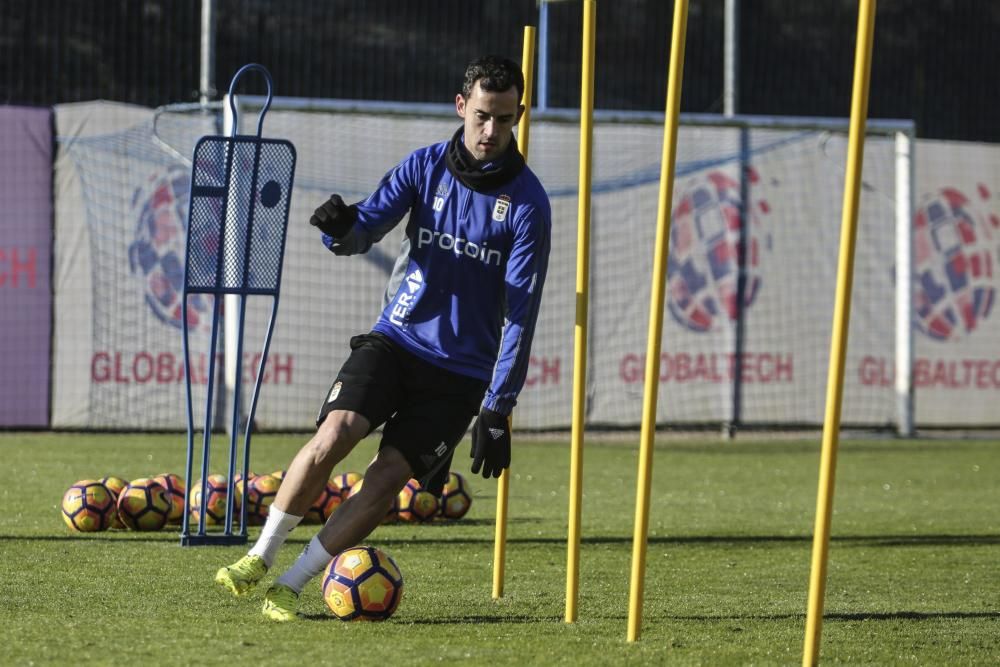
(913, 570)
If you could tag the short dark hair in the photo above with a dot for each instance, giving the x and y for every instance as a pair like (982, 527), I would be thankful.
(495, 74)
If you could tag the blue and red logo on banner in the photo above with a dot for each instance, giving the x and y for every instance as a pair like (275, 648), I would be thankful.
(953, 264)
(156, 255)
(703, 267)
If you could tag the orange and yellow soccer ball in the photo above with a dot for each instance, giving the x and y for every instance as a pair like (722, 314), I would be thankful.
(345, 481)
(329, 499)
(416, 503)
(391, 514)
(88, 506)
(261, 492)
(216, 496)
(362, 583)
(144, 505)
(115, 486)
(239, 488)
(456, 499)
(175, 492)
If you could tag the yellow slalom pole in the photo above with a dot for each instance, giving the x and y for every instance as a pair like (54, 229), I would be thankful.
(500, 536)
(652, 377)
(841, 319)
(528, 69)
(503, 484)
(582, 298)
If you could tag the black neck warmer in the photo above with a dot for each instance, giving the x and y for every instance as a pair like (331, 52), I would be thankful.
(470, 171)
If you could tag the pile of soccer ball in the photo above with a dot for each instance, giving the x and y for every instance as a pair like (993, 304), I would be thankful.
(415, 504)
(151, 503)
(147, 503)
(257, 492)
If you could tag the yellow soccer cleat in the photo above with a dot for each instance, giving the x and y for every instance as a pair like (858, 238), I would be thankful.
(280, 602)
(242, 575)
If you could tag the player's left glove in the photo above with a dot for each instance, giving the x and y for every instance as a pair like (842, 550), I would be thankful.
(490, 443)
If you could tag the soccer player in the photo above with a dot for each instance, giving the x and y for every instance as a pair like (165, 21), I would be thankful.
(453, 338)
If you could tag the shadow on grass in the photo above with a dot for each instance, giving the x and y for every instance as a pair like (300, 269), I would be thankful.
(810, 447)
(457, 620)
(480, 618)
(730, 540)
(103, 538)
(842, 616)
(910, 615)
(451, 524)
(680, 540)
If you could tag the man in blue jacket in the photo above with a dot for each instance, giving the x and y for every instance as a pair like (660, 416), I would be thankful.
(453, 339)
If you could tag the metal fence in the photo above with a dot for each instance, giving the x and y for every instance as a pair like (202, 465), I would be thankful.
(794, 58)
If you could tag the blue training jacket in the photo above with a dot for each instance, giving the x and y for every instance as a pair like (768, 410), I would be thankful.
(465, 290)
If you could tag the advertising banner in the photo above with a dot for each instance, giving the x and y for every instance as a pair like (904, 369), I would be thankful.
(122, 192)
(25, 260)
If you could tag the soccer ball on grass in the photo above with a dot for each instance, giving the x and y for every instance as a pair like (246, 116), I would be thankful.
(175, 492)
(144, 505)
(362, 583)
(240, 487)
(216, 494)
(329, 499)
(115, 486)
(417, 503)
(261, 492)
(345, 481)
(88, 506)
(456, 499)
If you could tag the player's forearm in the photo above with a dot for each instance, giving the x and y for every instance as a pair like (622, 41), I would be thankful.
(510, 371)
(511, 368)
(526, 271)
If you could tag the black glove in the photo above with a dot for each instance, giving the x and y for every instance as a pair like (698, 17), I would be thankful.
(334, 218)
(490, 443)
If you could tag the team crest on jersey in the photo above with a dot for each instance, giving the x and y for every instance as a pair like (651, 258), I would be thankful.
(442, 189)
(501, 208)
(334, 392)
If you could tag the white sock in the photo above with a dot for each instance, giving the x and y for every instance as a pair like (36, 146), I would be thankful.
(276, 529)
(313, 559)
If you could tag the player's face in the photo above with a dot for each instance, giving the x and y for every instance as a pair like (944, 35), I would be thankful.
(489, 118)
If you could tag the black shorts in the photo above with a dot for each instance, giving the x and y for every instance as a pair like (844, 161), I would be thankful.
(426, 410)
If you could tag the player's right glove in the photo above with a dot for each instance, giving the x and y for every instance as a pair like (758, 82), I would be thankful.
(334, 217)
(490, 443)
